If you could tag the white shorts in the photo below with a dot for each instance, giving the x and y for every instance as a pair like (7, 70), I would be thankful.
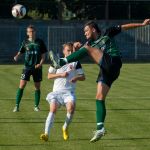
(61, 97)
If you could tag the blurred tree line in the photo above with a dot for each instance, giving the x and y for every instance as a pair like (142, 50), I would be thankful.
(79, 9)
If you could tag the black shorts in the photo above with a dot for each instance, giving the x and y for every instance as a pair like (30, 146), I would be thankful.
(35, 73)
(109, 69)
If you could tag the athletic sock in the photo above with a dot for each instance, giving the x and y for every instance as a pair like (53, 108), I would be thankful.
(100, 113)
(37, 97)
(75, 56)
(67, 120)
(19, 96)
(49, 122)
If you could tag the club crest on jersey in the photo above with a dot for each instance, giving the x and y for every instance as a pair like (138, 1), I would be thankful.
(103, 47)
(27, 48)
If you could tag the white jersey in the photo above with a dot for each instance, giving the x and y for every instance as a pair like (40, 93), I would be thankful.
(61, 84)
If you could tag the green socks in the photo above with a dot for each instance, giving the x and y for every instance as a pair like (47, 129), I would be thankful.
(37, 97)
(19, 96)
(20, 93)
(100, 113)
(77, 55)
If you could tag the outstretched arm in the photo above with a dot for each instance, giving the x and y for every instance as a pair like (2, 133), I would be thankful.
(135, 25)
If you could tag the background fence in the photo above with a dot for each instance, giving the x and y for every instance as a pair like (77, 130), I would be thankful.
(134, 44)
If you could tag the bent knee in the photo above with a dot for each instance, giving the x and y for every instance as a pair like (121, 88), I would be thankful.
(100, 96)
(70, 107)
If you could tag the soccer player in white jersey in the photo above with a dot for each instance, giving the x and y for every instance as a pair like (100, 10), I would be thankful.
(63, 92)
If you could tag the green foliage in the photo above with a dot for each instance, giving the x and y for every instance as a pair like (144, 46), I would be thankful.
(80, 9)
(35, 14)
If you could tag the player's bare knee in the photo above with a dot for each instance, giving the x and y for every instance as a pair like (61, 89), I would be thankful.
(37, 85)
(70, 107)
(53, 107)
(70, 110)
(100, 96)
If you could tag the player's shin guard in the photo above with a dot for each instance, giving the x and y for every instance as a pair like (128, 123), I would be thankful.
(19, 96)
(100, 113)
(77, 55)
(37, 97)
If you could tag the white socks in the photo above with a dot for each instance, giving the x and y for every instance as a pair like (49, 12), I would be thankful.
(49, 122)
(65, 59)
(68, 120)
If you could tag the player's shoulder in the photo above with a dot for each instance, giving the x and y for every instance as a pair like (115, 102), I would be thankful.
(77, 65)
(25, 41)
(39, 40)
(112, 31)
(115, 27)
(52, 70)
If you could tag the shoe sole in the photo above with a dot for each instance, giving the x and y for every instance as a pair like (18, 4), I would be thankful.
(63, 135)
(36, 110)
(97, 139)
(52, 57)
(16, 110)
(43, 139)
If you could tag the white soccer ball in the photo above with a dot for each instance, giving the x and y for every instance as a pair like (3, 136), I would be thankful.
(18, 11)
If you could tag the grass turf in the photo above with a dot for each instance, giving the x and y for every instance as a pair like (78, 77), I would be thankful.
(127, 122)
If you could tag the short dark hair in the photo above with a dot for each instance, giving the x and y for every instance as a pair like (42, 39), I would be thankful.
(31, 27)
(93, 25)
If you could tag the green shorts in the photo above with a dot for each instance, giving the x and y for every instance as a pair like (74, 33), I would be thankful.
(35, 73)
(109, 69)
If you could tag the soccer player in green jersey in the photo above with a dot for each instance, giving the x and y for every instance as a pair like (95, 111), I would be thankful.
(34, 50)
(103, 50)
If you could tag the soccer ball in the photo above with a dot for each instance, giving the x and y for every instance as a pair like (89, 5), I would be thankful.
(18, 11)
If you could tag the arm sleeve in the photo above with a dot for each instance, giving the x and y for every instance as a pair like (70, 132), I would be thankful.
(112, 31)
(22, 47)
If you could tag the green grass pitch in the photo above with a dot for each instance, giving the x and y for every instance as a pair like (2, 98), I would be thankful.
(127, 122)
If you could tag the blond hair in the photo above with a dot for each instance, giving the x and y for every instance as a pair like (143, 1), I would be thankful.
(69, 44)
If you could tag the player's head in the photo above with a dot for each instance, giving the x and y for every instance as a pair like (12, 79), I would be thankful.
(67, 48)
(91, 30)
(31, 31)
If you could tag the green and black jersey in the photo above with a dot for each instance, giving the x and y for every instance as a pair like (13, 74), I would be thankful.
(33, 51)
(106, 42)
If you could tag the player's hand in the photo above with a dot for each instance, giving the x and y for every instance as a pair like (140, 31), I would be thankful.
(65, 74)
(16, 58)
(146, 22)
(73, 80)
(38, 66)
(76, 46)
